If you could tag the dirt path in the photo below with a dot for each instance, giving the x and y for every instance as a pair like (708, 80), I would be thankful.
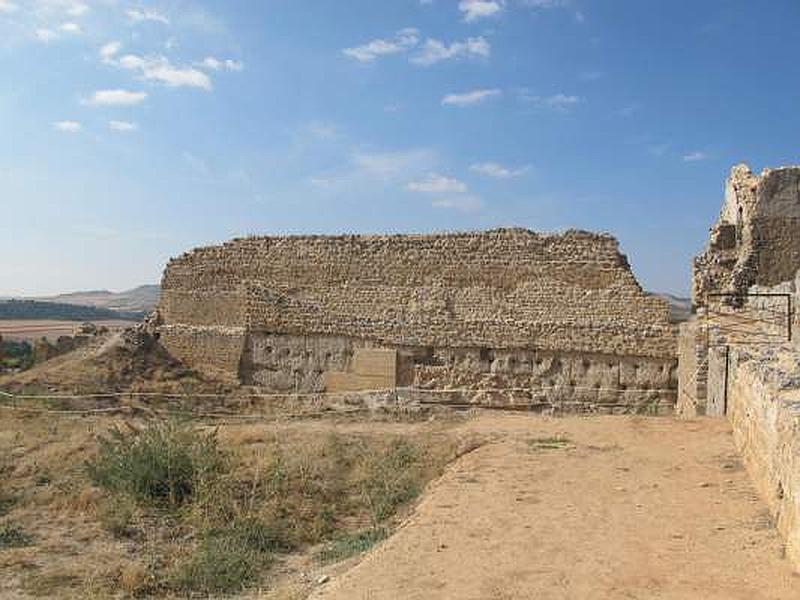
(629, 508)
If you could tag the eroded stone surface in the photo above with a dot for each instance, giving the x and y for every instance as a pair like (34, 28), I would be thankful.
(502, 308)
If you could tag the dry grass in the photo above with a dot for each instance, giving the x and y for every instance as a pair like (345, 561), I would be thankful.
(282, 494)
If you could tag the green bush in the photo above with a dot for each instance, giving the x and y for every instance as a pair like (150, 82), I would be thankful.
(165, 463)
(227, 560)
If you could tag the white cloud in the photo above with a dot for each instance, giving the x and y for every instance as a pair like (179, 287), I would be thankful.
(498, 171)
(234, 65)
(560, 102)
(45, 35)
(390, 164)
(77, 9)
(545, 3)
(138, 15)
(468, 203)
(211, 63)
(695, 156)
(404, 40)
(122, 126)
(470, 98)
(216, 64)
(110, 50)
(434, 51)
(367, 168)
(67, 126)
(8, 7)
(116, 98)
(159, 68)
(71, 28)
(479, 9)
(453, 194)
(437, 184)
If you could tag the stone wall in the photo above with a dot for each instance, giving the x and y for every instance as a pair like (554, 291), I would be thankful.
(764, 410)
(755, 240)
(738, 346)
(575, 381)
(306, 304)
(753, 248)
(692, 369)
(216, 351)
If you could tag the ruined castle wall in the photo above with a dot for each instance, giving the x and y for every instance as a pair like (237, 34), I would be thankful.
(219, 309)
(764, 410)
(216, 351)
(565, 381)
(572, 381)
(307, 304)
(755, 241)
(506, 287)
(692, 369)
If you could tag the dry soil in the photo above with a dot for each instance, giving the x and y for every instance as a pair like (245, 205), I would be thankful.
(583, 508)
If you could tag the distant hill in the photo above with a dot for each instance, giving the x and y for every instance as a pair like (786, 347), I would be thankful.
(17, 310)
(142, 299)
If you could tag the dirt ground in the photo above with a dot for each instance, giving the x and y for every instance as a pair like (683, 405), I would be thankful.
(583, 508)
(594, 508)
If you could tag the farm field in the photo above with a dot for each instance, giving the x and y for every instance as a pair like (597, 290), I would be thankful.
(33, 329)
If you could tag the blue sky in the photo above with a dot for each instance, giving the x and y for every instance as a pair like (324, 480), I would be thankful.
(133, 131)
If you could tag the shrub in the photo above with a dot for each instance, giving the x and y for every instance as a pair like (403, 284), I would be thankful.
(226, 560)
(306, 488)
(163, 464)
(116, 516)
(392, 477)
(12, 536)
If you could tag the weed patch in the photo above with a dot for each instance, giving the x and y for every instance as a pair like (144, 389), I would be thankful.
(226, 560)
(116, 516)
(549, 443)
(348, 545)
(12, 536)
(392, 478)
(164, 463)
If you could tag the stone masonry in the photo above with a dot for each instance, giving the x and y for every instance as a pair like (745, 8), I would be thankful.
(755, 241)
(740, 356)
(753, 247)
(507, 308)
